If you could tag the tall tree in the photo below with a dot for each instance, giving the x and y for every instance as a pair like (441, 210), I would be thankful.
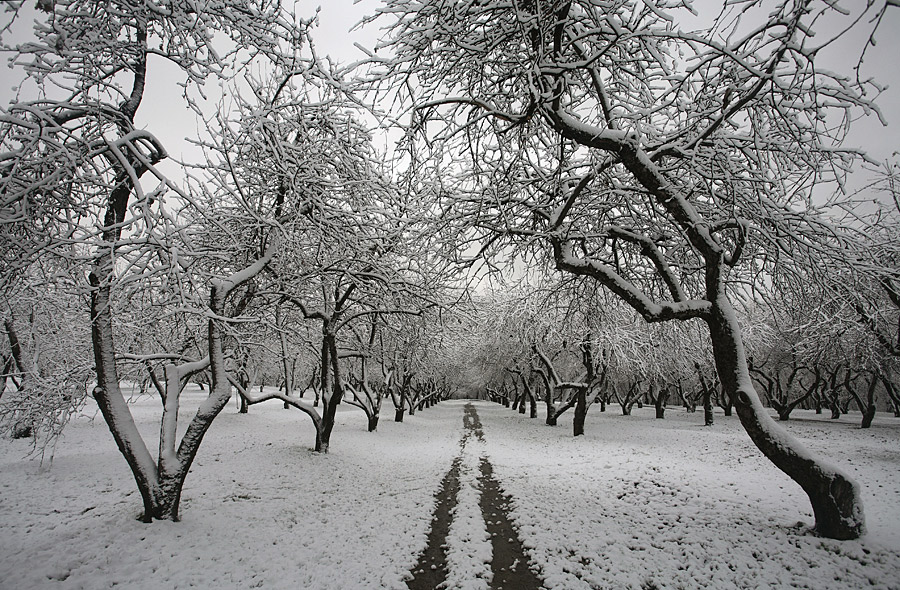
(72, 169)
(631, 144)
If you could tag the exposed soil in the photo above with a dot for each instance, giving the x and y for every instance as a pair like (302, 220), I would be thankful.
(472, 423)
(431, 569)
(509, 565)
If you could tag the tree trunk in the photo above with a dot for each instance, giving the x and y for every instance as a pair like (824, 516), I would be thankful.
(660, 403)
(868, 408)
(398, 414)
(330, 383)
(728, 404)
(892, 393)
(707, 407)
(23, 427)
(109, 396)
(783, 410)
(868, 417)
(580, 412)
(373, 423)
(244, 380)
(551, 414)
(330, 410)
(835, 498)
(835, 409)
(22, 362)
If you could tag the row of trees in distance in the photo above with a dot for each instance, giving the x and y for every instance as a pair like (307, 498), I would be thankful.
(618, 160)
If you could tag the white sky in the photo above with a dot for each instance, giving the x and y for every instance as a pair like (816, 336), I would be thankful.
(164, 115)
(881, 62)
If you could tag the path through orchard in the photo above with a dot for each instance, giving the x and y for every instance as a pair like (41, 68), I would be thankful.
(634, 503)
(509, 564)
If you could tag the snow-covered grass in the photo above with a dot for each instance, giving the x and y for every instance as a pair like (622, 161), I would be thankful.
(645, 503)
(635, 503)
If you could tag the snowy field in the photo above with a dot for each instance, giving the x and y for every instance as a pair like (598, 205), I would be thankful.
(636, 503)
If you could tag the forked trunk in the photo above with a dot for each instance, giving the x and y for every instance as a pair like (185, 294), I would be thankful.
(834, 496)
(168, 499)
(835, 410)
(111, 401)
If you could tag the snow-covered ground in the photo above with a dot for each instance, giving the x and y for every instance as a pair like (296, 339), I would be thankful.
(636, 503)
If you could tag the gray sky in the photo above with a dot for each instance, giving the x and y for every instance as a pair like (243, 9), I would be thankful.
(163, 114)
(881, 62)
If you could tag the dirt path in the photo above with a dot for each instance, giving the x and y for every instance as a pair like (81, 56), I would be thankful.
(509, 564)
(431, 569)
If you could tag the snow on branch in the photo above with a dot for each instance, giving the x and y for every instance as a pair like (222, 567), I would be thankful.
(564, 255)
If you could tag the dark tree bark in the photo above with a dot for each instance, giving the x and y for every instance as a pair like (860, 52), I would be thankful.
(627, 402)
(659, 401)
(835, 498)
(708, 418)
(867, 408)
(892, 392)
(581, 408)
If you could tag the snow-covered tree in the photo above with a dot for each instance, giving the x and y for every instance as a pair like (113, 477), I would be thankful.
(72, 183)
(663, 154)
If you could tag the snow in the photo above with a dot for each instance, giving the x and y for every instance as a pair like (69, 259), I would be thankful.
(635, 503)
(468, 543)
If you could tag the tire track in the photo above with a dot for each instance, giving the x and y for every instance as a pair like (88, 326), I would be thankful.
(509, 564)
(431, 569)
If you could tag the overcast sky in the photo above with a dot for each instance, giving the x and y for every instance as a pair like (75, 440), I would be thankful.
(167, 118)
(882, 61)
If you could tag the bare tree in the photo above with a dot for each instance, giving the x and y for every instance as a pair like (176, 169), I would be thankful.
(667, 164)
(72, 169)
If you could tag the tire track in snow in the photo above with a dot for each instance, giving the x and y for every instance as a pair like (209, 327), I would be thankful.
(431, 569)
(471, 527)
(510, 563)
